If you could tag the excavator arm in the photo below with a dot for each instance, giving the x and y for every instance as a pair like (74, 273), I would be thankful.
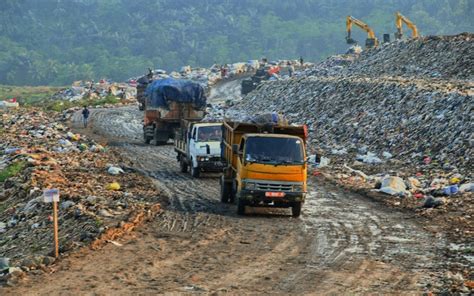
(399, 20)
(371, 39)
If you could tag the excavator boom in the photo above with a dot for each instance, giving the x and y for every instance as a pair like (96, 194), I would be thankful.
(371, 39)
(399, 20)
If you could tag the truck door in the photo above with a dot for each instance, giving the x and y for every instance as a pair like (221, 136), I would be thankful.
(192, 146)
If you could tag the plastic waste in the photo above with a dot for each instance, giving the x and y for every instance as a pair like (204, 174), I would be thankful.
(468, 187)
(454, 180)
(393, 186)
(83, 147)
(324, 162)
(115, 170)
(12, 150)
(432, 202)
(450, 190)
(4, 264)
(369, 158)
(97, 148)
(113, 186)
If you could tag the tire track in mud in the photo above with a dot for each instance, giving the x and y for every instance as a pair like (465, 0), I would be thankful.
(341, 243)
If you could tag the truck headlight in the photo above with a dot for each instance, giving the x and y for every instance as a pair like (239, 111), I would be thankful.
(298, 188)
(249, 186)
(203, 158)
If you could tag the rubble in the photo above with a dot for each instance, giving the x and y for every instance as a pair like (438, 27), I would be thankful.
(49, 155)
(80, 90)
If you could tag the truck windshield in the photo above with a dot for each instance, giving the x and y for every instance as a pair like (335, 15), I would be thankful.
(210, 134)
(274, 150)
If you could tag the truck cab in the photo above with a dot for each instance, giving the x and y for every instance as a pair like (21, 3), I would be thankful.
(264, 168)
(199, 148)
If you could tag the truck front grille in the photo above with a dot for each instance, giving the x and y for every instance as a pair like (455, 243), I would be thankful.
(273, 187)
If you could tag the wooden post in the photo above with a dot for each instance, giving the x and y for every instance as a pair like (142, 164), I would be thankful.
(52, 195)
(55, 221)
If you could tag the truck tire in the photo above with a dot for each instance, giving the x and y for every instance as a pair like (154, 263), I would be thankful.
(183, 165)
(233, 190)
(195, 172)
(160, 137)
(148, 134)
(225, 191)
(296, 209)
(146, 139)
(241, 207)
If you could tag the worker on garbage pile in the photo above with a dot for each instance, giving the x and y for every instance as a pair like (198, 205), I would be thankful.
(222, 72)
(301, 61)
(85, 116)
(291, 69)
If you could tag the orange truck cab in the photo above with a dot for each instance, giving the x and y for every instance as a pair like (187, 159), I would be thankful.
(266, 166)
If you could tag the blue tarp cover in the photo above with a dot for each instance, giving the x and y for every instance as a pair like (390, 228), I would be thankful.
(159, 92)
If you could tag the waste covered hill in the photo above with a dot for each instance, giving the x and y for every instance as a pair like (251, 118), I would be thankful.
(448, 57)
(409, 118)
(100, 195)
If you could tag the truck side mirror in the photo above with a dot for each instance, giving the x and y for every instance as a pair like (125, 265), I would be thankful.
(235, 148)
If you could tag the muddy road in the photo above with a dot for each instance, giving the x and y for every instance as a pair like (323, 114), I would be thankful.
(342, 243)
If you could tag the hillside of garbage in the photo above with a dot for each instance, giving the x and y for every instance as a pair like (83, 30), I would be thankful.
(397, 120)
(445, 57)
(99, 193)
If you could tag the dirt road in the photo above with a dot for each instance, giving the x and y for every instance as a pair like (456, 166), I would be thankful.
(342, 243)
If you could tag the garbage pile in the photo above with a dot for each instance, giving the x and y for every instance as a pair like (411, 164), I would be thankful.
(408, 119)
(333, 65)
(88, 89)
(97, 189)
(447, 57)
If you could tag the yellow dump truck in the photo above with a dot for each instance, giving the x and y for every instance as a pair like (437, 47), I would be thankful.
(265, 166)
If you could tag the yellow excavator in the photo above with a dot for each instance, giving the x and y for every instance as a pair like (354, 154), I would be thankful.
(371, 40)
(399, 20)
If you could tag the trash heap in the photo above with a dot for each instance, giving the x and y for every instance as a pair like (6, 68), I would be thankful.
(88, 89)
(371, 127)
(97, 189)
(447, 57)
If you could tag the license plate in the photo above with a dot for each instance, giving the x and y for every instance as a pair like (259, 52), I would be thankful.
(274, 194)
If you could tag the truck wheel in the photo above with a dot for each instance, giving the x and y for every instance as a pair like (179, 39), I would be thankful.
(296, 209)
(225, 190)
(148, 134)
(241, 207)
(147, 139)
(160, 137)
(183, 165)
(195, 172)
(233, 192)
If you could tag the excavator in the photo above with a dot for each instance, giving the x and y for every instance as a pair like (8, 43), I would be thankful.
(371, 40)
(398, 21)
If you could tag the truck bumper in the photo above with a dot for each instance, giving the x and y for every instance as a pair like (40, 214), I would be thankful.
(257, 197)
(211, 166)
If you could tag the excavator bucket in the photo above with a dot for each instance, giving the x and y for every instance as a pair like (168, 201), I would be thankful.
(350, 40)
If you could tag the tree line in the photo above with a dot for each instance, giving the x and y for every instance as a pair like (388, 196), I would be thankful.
(52, 42)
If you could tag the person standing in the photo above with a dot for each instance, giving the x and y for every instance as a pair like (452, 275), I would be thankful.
(291, 69)
(85, 116)
(301, 61)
